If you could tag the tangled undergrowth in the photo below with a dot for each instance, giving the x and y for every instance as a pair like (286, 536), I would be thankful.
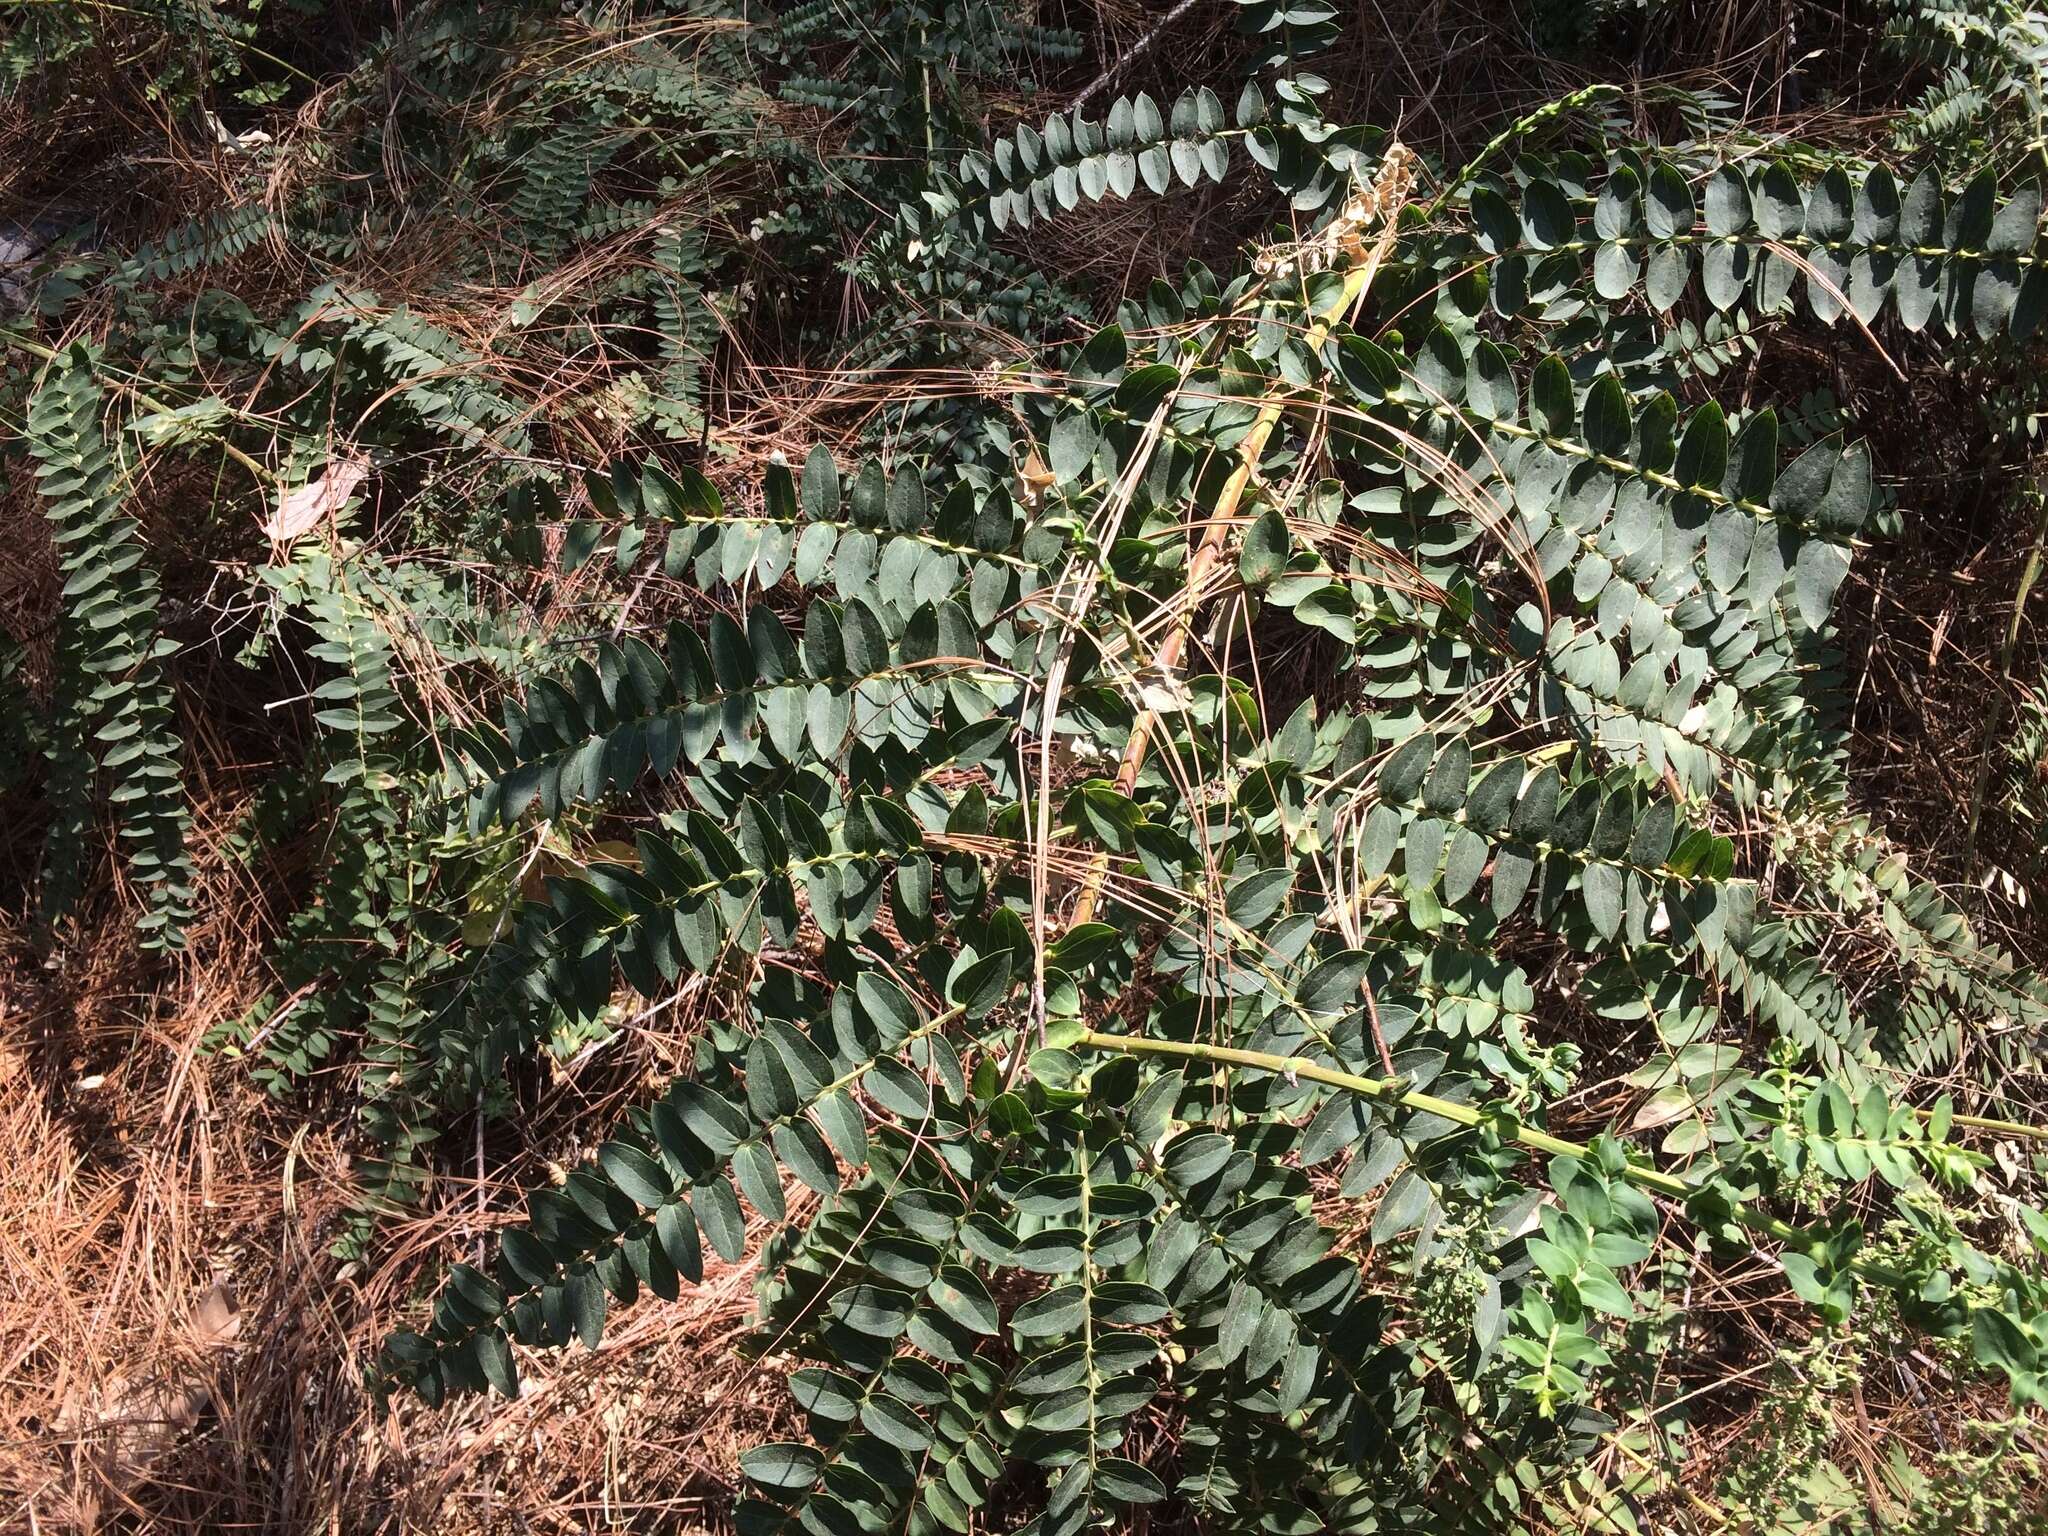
(1249, 765)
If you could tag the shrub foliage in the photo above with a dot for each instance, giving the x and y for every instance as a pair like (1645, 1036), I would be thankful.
(1176, 819)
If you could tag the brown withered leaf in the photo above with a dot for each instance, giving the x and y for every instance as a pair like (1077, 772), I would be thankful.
(305, 507)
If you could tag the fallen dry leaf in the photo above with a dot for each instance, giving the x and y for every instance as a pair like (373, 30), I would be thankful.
(121, 1431)
(304, 507)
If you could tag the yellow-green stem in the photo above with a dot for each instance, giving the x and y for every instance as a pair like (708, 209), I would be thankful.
(49, 355)
(1394, 1090)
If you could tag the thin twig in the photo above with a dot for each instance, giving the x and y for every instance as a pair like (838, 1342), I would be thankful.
(1386, 206)
(1143, 44)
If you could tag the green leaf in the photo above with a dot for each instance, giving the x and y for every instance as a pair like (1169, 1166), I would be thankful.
(718, 1213)
(1336, 985)
(1607, 426)
(1547, 220)
(1599, 1290)
(637, 1175)
(894, 1423)
(1126, 1482)
(1601, 885)
(494, 1356)
(1402, 1207)
(1615, 271)
(1703, 451)
(865, 639)
(1492, 800)
(961, 1295)
(675, 1226)
(1513, 870)
(1728, 202)
(1779, 208)
(1112, 819)
(1401, 778)
(1467, 861)
(1444, 790)
(586, 1299)
(1997, 1341)
(803, 1151)
(1070, 450)
(880, 1310)
(899, 1090)
(1651, 839)
(1668, 206)
(1425, 912)
(1142, 390)
(1550, 397)
(1267, 546)
(983, 986)
(759, 1177)
(1818, 573)
(1253, 898)
(887, 1007)
(528, 1259)
(783, 1465)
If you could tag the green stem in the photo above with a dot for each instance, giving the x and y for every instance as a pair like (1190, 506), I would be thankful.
(1394, 1090)
(2003, 1127)
(36, 349)
(1499, 141)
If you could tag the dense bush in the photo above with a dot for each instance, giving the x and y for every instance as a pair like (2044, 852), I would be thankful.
(1266, 862)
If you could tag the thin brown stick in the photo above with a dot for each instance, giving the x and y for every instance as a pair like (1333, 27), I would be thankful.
(1386, 200)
